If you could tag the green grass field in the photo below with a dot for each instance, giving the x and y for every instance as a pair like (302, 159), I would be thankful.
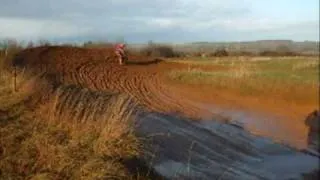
(292, 79)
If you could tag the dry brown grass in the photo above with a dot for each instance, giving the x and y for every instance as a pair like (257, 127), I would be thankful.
(8, 95)
(77, 134)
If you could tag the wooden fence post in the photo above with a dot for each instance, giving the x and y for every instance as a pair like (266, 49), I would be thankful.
(6, 52)
(62, 74)
(15, 79)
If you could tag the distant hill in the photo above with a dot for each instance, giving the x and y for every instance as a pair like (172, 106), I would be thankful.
(306, 47)
(303, 47)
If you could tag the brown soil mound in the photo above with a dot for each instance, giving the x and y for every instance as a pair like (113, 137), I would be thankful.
(144, 79)
(98, 69)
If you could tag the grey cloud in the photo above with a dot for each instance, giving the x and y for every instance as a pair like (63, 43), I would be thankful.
(136, 20)
(57, 8)
(120, 8)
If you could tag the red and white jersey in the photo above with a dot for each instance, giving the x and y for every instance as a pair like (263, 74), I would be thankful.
(119, 47)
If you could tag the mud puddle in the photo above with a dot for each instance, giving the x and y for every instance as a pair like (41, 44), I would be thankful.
(187, 149)
(276, 127)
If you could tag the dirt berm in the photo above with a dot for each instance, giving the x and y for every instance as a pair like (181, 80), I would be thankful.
(177, 146)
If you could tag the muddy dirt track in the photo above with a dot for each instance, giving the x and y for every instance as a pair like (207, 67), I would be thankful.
(145, 80)
(97, 69)
(181, 148)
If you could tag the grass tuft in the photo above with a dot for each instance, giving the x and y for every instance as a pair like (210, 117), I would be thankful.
(77, 134)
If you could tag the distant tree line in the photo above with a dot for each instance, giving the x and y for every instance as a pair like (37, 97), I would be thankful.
(10, 46)
(168, 51)
(157, 50)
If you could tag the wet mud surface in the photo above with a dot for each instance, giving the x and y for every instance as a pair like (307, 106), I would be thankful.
(213, 150)
(179, 147)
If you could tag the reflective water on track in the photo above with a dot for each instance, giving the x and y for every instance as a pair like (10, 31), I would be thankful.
(276, 127)
(186, 149)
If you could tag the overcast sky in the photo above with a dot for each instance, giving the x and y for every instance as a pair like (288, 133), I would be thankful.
(160, 20)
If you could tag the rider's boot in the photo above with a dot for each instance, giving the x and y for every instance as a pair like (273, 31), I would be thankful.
(120, 61)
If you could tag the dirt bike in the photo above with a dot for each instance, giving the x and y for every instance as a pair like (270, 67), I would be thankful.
(125, 58)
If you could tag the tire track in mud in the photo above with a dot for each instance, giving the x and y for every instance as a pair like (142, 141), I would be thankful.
(98, 69)
(143, 83)
(147, 85)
